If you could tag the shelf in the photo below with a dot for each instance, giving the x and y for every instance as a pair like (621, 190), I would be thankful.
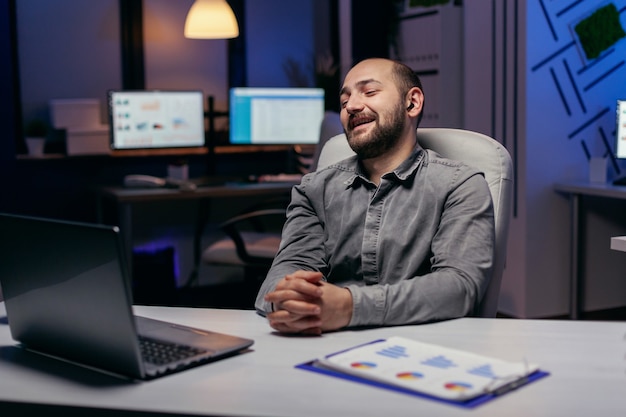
(230, 149)
(227, 149)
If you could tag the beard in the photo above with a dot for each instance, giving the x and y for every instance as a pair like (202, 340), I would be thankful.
(381, 138)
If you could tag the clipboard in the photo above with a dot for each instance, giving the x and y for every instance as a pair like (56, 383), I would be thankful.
(427, 371)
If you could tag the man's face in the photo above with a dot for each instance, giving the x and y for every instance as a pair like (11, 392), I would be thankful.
(372, 109)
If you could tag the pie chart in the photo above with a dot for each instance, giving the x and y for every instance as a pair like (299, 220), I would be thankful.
(363, 365)
(409, 375)
(458, 386)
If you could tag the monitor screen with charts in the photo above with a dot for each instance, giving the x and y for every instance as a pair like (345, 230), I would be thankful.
(156, 119)
(272, 116)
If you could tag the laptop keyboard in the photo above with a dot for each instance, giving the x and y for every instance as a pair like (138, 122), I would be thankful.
(160, 353)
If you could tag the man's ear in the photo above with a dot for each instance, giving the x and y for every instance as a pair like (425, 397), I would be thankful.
(415, 98)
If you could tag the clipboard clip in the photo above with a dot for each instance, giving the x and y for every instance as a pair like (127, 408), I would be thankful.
(516, 382)
(513, 385)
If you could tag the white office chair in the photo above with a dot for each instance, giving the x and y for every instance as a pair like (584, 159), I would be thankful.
(478, 151)
(331, 127)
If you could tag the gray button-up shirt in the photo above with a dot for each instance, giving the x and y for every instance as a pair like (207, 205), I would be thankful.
(417, 248)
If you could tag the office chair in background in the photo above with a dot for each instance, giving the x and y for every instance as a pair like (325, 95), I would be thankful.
(251, 239)
(478, 151)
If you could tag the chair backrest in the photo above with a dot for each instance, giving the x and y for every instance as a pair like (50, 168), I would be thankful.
(307, 155)
(478, 151)
(331, 126)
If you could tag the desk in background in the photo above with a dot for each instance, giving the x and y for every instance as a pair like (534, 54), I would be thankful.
(575, 191)
(126, 198)
(585, 360)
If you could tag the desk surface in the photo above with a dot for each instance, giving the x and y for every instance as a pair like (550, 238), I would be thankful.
(597, 189)
(586, 361)
(230, 189)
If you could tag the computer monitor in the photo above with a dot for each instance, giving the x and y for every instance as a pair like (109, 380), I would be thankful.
(620, 139)
(156, 120)
(272, 116)
(620, 130)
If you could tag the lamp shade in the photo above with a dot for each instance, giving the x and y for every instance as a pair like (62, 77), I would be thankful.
(211, 19)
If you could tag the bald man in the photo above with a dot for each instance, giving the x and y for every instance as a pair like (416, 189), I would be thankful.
(393, 235)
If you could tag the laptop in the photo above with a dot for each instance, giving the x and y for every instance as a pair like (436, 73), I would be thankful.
(68, 295)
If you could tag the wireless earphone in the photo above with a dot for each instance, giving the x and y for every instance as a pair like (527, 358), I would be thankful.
(410, 107)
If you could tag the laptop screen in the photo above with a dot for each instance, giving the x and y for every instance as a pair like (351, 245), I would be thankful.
(271, 116)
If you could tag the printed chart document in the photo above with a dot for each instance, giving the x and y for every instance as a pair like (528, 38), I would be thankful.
(434, 371)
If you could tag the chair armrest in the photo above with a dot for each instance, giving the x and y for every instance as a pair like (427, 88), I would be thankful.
(232, 228)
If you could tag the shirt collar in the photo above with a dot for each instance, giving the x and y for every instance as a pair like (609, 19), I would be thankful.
(403, 172)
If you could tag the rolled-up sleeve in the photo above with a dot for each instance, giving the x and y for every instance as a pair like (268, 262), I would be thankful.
(301, 246)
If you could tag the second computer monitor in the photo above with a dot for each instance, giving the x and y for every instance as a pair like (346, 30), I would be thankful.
(620, 132)
(156, 119)
(270, 116)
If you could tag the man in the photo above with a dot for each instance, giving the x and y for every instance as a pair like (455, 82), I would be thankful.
(393, 235)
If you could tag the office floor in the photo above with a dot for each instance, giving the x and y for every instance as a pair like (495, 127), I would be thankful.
(154, 284)
(617, 314)
(241, 295)
(237, 295)
(613, 314)
(233, 292)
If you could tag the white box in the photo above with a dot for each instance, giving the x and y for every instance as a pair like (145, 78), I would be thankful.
(618, 243)
(178, 172)
(89, 141)
(75, 113)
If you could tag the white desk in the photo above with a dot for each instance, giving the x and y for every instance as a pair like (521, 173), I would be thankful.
(586, 361)
(576, 190)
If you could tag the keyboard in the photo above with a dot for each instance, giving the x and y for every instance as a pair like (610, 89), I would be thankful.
(295, 178)
(158, 352)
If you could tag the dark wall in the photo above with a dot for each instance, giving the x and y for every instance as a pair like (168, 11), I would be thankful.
(371, 23)
(55, 187)
(8, 105)
(65, 187)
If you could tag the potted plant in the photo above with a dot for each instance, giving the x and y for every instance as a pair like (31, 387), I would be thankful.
(35, 132)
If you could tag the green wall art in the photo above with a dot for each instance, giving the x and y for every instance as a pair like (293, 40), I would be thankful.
(599, 31)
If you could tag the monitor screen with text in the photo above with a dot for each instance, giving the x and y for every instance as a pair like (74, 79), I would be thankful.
(620, 132)
(271, 116)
